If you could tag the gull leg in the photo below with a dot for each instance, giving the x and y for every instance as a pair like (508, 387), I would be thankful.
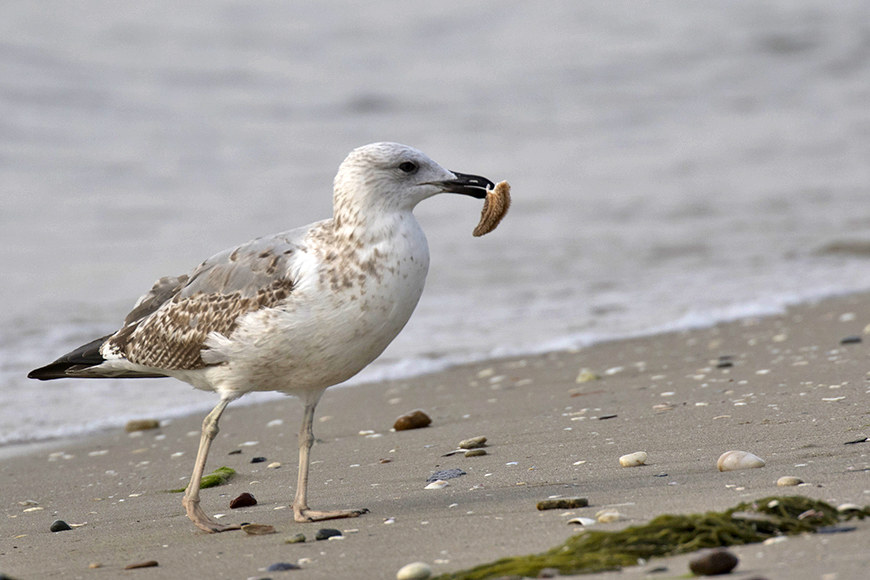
(191, 494)
(301, 512)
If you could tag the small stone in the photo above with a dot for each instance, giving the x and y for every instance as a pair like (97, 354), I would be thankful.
(548, 573)
(473, 443)
(414, 571)
(737, 460)
(235, 452)
(445, 474)
(437, 484)
(258, 529)
(413, 420)
(586, 376)
(475, 452)
(258, 460)
(788, 480)
(326, 533)
(713, 563)
(851, 340)
(141, 425)
(274, 465)
(725, 364)
(243, 500)
(633, 459)
(563, 503)
(282, 566)
(608, 516)
(95, 565)
(146, 564)
(297, 539)
(59, 526)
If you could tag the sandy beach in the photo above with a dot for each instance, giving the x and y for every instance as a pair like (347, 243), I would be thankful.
(793, 395)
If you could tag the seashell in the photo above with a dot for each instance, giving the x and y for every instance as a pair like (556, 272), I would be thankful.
(608, 516)
(633, 459)
(258, 529)
(788, 480)
(414, 571)
(495, 207)
(437, 484)
(737, 460)
(849, 507)
(583, 521)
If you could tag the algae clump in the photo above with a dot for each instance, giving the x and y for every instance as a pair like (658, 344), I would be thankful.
(666, 535)
(219, 476)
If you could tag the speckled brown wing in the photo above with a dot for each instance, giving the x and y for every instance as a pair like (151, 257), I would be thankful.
(169, 326)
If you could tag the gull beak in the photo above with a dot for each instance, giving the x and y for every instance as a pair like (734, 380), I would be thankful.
(473, 185)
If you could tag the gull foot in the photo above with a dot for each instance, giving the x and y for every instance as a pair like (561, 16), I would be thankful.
(308, 515)
(202, 521)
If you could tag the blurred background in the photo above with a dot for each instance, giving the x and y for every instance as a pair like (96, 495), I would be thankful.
(673, 164)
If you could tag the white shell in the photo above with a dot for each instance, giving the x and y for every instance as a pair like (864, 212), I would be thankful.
(582, 521)
(736, 460)
(787, 480)
(848, 507)
(633, 459)
(437, 484)
(414, 571)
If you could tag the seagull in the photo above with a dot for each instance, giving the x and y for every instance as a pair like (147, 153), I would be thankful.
(294, 312)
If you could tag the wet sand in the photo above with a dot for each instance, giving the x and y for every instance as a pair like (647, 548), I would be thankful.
(794, 395)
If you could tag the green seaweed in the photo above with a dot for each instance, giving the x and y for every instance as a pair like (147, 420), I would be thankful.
(598, 551)
(219, 476)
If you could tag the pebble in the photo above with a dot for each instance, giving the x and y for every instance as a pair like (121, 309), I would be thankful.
(413, 420)
(59, 526)
(243, 500)
(475, 452)
(437, 484)
(297, 539)
(713, 563)
(414, 571)
(548, 573)
(473, 443)
(633, 459)
(235, 452)
(446, 474)
(326, 533)
(258, 529)
(586, 376)
(737, 460)
(851, 340)
(146, 564)
(789, 480)
(95, 565)
(274, 465)
(258, 460)
(141, 425)
(282, 566)
(563, 503)
(608, 516)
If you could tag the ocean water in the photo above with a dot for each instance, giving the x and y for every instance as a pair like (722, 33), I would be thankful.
(673, 164)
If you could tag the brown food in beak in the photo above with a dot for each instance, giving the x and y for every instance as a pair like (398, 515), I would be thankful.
(495, 206)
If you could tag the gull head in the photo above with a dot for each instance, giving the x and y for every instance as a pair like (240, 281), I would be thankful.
(395, 177)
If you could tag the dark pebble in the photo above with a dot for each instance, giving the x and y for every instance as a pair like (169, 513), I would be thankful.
(281, 566)
(564, 503)
(835, 529)
(605, 417)
(258, 460)
(146, 564)
(657, 570)
(724, 364)
(235, 452)
(851, 340)
(244, 500)
(445, 475)
(326, 533)
(413, 420)
(59, 526)
(861, 440)
(713, 563)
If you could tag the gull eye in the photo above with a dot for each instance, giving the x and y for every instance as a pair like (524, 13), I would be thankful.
(408, 166)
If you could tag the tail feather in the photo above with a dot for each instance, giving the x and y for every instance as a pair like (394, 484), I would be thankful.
(73, 364)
